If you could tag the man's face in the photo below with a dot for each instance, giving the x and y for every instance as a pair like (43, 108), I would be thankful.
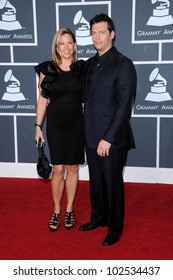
(101, 36)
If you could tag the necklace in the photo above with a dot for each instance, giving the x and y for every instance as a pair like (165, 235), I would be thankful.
(65, 67)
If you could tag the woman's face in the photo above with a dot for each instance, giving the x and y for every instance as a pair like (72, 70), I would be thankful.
(66, 46)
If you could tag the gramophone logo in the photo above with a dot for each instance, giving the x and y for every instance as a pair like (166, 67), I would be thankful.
(13, 88)
(83, 36)
(161, 16)
(8, 20)
(158, 91)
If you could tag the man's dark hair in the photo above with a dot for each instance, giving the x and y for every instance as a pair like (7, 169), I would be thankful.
(103, 18)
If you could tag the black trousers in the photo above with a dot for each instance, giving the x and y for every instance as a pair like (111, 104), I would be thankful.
(107, 188)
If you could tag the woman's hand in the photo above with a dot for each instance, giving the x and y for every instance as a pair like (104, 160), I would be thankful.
(39, 135)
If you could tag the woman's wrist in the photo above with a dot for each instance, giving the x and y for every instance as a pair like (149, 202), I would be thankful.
(39, 125)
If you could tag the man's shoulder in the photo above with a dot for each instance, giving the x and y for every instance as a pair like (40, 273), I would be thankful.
(120, 57)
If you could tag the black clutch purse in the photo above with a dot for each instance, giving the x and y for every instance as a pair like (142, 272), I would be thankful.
(44, 168)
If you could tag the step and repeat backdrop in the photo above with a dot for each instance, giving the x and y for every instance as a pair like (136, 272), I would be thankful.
(144, 32)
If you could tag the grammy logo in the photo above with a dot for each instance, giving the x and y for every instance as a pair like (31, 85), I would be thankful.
(158, 90)
(83, 31)
(8, 21)
(160, 15)
(13, 89)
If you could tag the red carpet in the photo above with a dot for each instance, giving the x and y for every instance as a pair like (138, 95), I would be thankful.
(26, 205)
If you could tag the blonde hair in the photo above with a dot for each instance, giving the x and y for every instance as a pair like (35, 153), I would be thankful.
(57, 37)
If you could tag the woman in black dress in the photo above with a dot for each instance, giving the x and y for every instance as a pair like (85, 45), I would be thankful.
(60, 100)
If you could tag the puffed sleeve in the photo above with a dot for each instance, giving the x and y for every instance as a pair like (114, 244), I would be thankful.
(78, 67)
(49, 71)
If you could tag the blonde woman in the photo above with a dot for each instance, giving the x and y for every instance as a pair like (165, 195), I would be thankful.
(60, 100)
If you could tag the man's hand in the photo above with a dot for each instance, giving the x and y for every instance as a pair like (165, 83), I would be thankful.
(103, 148)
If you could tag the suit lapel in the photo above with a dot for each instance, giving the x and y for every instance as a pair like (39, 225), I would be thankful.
(107, 61)
(87, 77)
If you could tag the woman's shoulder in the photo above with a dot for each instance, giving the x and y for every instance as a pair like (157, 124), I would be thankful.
(46, 67)
(78, 66)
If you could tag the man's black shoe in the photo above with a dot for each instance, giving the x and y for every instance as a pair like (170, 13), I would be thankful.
(110, 240)
(89, 226)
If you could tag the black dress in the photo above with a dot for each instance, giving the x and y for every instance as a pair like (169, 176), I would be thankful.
(64, 117)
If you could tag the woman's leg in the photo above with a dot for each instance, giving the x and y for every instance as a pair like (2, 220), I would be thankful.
(71, 185)
(71, 188)
(57, 183)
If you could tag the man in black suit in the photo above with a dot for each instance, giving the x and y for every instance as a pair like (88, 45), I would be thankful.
(110, 86)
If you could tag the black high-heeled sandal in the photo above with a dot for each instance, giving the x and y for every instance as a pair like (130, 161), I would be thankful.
(69, 220)
(54, 221)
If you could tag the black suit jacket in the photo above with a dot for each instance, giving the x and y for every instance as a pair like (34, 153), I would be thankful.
(108, 101)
